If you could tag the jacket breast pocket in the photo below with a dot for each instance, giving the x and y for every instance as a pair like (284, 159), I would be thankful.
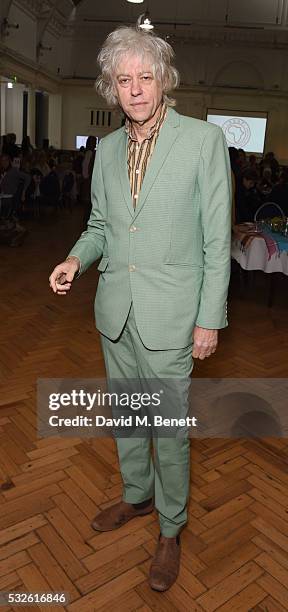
(103, 264)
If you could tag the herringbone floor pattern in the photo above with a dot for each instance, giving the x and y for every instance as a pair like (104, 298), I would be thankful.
(235, 548)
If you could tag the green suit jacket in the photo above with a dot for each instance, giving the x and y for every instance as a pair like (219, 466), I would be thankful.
(171, 256)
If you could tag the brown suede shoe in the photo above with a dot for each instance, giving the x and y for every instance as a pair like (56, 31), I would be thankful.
(117, 515)
(165, 565)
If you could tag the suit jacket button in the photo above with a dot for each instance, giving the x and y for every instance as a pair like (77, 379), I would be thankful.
(132, 268)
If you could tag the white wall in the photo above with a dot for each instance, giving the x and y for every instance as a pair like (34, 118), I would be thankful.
(57, 60)
(14, 111)
(194, 102)
(55, 120)
(78, 100)
(84, 56)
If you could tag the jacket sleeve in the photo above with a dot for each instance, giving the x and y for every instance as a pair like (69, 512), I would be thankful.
(90, 245)
(214, 180)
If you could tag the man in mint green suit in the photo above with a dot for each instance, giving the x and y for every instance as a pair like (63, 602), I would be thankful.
(161, 224)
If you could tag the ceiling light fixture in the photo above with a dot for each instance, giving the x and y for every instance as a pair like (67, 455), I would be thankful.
(135, 1)
(144, 22)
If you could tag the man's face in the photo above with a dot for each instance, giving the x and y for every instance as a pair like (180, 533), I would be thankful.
(248, 183)
(139, 93)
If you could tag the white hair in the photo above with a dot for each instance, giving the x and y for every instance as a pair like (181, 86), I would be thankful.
(134, 41)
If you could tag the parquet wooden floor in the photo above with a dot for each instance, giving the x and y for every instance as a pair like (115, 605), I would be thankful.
(235, 548)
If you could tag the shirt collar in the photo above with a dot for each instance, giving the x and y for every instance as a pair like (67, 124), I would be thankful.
(129, 127)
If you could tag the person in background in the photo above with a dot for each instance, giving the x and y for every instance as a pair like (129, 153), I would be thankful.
(78, 161)
(53, 154)
(89, 157)
(265, 184)
(9, 146)
(253, 164)
(87, 169)
(40, 162)
(11, 178)
(247, 198)
(26, 147)
(27, 163)
(32, 199)
(271, 162)
(234, 157)
(50, 186)
(279, 193)
(77, 168)
(13, 183)
(242, 159)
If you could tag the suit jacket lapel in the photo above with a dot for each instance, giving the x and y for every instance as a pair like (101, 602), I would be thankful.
(123, 172)
(167, 136)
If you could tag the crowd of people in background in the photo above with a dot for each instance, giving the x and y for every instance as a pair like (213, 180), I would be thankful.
(38, 179)
(33, 180)
(255, 182)
(47, 174)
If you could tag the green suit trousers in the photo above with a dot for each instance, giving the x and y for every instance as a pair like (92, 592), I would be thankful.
(165, 473)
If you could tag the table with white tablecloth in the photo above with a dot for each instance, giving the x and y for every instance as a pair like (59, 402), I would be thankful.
(256, 255)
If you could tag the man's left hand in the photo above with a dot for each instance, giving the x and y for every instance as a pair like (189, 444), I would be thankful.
(204, 342)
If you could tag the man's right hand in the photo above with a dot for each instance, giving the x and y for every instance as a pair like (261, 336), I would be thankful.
(62, 276)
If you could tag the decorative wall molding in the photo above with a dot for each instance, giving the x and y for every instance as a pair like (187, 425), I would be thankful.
(34, 9)
(27, 72)
(238, 60)
(231, 92)
(30, 7)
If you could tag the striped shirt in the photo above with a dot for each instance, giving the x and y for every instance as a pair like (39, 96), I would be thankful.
(139, 155)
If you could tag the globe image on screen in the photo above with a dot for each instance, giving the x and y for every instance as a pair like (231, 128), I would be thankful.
(237, 132)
